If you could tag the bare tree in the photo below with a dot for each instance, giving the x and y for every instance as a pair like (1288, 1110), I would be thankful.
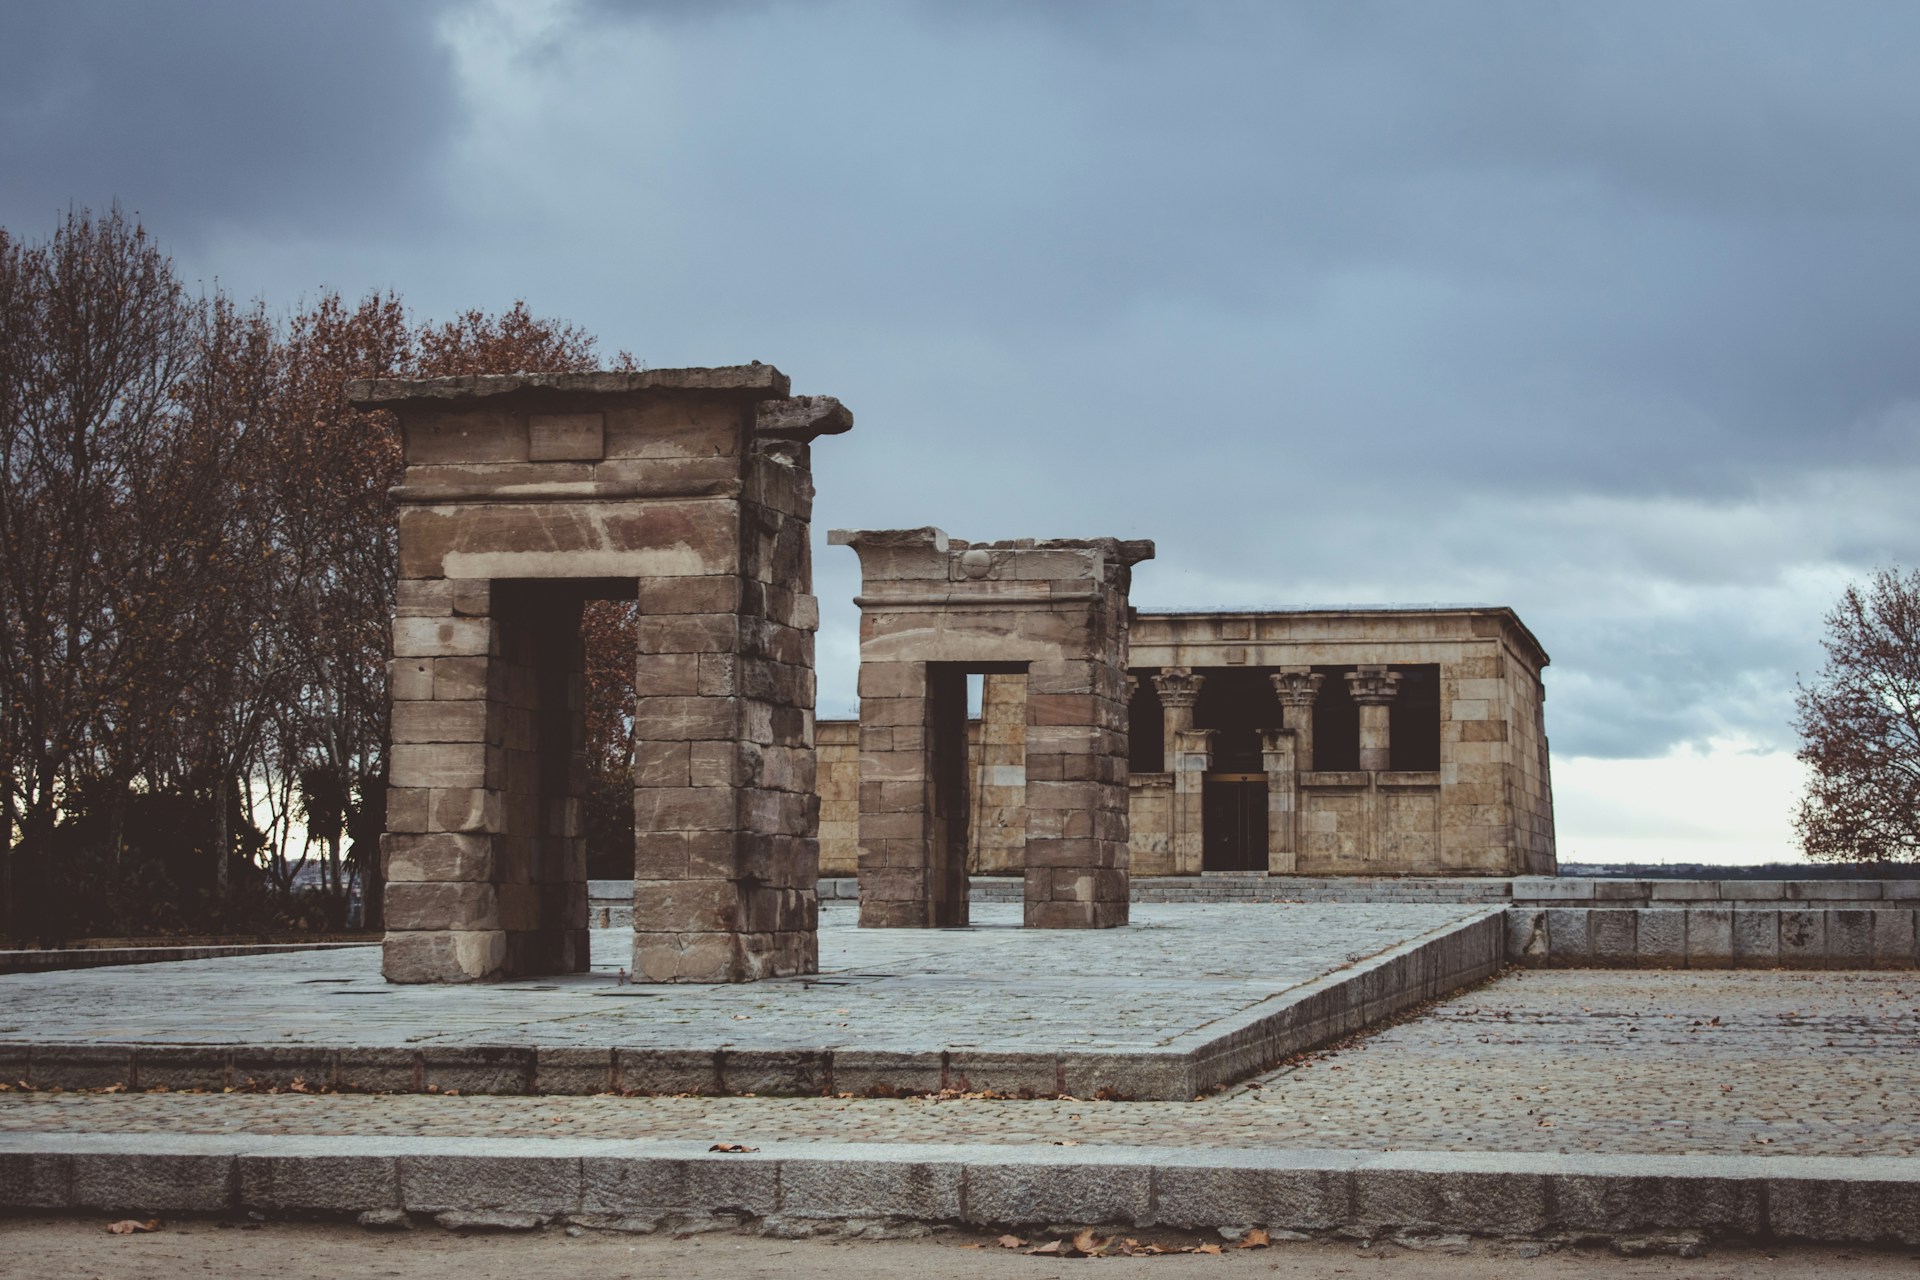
(94, 333)
(1859, 725)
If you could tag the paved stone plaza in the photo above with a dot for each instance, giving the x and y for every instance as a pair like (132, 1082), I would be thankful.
(1772, 1064)
(1177, 971)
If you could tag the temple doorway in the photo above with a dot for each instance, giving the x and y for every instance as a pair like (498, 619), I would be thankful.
(1234, 822)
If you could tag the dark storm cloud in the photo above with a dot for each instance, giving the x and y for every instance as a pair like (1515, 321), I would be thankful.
(1603, 311)
(225, 111)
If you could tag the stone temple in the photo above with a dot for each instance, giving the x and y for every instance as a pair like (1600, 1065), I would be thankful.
(1370, 742)
(1108, 742)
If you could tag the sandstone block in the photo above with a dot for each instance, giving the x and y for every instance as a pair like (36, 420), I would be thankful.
(688, 957)
(439, 722)
(661, 764)
(566, 436)
(472, 809)
(684, 809)
(410, 679)
(440, 764)
(658, 719)
(407, 809)
(438, 856)
(462, 679)
(466, 906)
(711, 596)
(443, 956)
(472, 597)
(423, 597)
(441, 637)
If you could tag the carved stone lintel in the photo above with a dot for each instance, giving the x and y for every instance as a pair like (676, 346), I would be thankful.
(1373, 686)
(1296, 686)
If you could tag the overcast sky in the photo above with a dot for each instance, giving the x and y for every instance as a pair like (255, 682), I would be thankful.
(1606, 312)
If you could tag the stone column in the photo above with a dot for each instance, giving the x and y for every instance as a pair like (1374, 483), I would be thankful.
(1298, 688)
(1279, 757)
(1192, 757)
(1373, 688)
(1178, 687)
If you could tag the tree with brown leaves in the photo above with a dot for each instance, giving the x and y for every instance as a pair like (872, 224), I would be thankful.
(1859, 726)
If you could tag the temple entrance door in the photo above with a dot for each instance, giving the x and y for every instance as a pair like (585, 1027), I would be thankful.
(1234, 830)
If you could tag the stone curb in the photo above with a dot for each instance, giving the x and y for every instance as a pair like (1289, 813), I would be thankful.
(1288, 1022)
(1831, 1200)
(102, 957)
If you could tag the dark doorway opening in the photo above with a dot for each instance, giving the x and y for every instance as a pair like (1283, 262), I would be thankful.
(1414, 719)
(537, 706)
(1238, 702)
(1146, 728)
(950, 815)
(1336, 724)
(1234, 817)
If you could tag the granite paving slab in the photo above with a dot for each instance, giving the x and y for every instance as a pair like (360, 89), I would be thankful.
(1174, 970)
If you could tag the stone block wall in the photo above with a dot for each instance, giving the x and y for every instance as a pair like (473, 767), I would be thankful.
(837, 753)
(935, 609)
(1487, 810)
(1721, 936)
(997, 777)
(690, 492)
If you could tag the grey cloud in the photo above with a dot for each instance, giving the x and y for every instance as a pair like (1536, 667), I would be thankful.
(1602, 311)
(291, 116)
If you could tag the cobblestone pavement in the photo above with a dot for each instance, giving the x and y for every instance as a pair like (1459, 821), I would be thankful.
(1174, 971)
(1746, 1062)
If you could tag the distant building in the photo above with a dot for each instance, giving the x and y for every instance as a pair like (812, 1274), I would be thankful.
(1386, 741)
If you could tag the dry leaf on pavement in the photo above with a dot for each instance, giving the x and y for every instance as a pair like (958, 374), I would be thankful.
(127, 1226)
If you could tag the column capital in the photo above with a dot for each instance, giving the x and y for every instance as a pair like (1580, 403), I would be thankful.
(1373, 686)
(1296, 686)
(1178, 686)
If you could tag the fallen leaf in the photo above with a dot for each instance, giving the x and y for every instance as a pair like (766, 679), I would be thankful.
(731, 1148)
(1050, 1247)
(1010, 1242)
(1208, 1248)
(127, 1226)
(1254, 1239)
(1088, 1243)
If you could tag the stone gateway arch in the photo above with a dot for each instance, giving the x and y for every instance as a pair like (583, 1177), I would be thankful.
(689, 491)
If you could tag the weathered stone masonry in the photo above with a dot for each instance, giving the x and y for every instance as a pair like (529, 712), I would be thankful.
(690, 491)
(934, 610)
(1430, 756)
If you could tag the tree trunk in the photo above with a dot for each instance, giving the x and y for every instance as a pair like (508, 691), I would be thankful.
(222, 836)
(6, 860)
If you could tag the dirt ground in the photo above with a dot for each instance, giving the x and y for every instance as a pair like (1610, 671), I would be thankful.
(82, 1249)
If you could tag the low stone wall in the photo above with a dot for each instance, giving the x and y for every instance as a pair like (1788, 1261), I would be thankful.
(611, 905)
(1745, 935)
(49, 961)
(1608, 892)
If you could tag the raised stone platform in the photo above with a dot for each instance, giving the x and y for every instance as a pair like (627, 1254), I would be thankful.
(1187, 998)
